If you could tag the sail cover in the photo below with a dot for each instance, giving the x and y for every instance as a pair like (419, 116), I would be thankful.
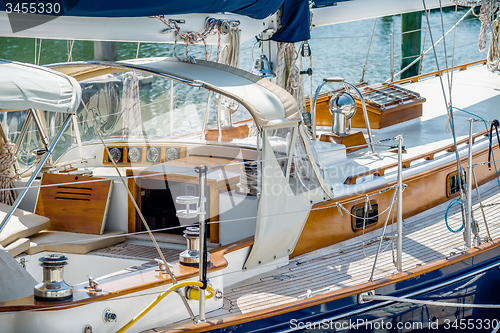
(257, 9)
(24, 86)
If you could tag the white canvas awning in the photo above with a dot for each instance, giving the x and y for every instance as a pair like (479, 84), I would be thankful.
(25, 86)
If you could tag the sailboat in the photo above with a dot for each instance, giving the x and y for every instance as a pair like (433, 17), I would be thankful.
(364, 207)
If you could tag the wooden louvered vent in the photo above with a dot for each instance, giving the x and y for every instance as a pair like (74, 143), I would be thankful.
(75, 207)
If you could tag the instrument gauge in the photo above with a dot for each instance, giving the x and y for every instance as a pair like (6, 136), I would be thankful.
(171, 154)
(116, 154)
(153, 155)
(134, 154)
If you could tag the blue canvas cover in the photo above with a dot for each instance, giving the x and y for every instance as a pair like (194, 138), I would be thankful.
(295, 22)
(257, 9)
(295, 19)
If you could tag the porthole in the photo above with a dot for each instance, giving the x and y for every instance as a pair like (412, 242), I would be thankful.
(359, 216)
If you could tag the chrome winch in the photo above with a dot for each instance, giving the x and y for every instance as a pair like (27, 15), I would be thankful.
(191, 256)
(53, 286)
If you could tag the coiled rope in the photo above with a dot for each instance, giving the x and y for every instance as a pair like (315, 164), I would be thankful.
(493, 58)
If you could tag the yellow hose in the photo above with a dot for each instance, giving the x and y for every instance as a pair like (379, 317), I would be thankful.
(210, 294)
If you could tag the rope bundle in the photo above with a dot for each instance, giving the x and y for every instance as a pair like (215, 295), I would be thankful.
(485, 15)
(7, 160)
(288, 74)
(230, 54)
(493, 58)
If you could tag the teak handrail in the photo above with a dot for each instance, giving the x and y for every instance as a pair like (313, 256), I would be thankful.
(437, 73)
(351, 180)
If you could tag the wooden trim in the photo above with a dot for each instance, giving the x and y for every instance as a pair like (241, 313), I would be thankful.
(132, 214)
(126, 285)
(437, 73)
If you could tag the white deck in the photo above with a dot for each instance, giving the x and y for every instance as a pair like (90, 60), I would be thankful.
(475, 90)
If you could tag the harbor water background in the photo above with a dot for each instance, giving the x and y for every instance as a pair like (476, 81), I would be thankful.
(337, 50)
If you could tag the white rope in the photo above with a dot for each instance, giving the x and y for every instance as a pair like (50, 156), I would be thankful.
(288, 74)
(69, 49)
(138, 48)
(423, 302)
(7, 160)
(230, 54)
(485, 15)
(493, 58)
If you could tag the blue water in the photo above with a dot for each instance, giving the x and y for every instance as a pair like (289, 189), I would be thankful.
(337, 50)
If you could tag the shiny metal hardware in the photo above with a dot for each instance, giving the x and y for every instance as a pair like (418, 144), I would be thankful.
(187, 293)
(248, 184)
(87, 329)
(309, 293)
(85, 172)
(35, 173)
(218, 295)
(263, 67)
(191, 256)
(226, 107)
(361, 300)
(475, 231)
(22, 262)
(469, 217)
(109, 316)
(93, 286)
(161, 266)
(187, 200)
(399, 215)
(347, 86)
(342, 107)
(53, 287)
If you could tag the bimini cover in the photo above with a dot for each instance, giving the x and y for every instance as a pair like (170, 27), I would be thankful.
(263, 99)
(25, 86)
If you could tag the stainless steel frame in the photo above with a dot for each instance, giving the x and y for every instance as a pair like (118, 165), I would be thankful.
(36, 172)
(365, 112)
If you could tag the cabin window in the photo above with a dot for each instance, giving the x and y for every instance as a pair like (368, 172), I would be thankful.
(361, 216)
(452, 185)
